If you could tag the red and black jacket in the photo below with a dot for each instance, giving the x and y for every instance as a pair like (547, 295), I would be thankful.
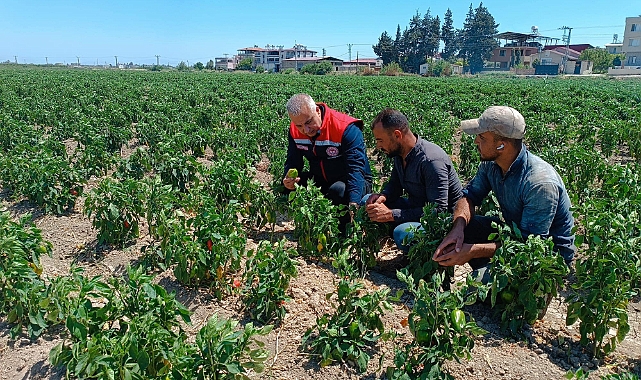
(337, 153)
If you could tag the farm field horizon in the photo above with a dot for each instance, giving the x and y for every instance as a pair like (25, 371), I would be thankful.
(176, 175)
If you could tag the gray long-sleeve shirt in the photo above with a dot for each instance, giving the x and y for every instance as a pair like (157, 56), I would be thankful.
(429, 176)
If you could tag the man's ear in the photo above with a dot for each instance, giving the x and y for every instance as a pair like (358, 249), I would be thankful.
(398, 134)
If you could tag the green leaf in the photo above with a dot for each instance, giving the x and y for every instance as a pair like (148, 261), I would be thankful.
(149, 290)
(233, 368)
(143, 360)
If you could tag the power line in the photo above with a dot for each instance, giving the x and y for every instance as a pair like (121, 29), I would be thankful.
(587, 27)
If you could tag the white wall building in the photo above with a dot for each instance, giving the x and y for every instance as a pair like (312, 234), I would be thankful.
(632, 42)
(272, 57)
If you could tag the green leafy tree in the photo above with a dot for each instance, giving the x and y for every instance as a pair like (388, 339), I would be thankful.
(517, 58)
(210, 65)
(245, 64)
(398, 44)
(199, 66)
(476, 37)
(385, 48)
(432, 28)
(419, 40)
(320, 68)
(600, 58)
(414, 49)
(448, 35)
(182, 66)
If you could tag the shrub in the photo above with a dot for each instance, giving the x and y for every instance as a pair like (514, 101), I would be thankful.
(320, 68)
(392, 69)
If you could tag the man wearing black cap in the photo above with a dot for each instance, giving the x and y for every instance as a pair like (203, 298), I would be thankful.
(530, 193)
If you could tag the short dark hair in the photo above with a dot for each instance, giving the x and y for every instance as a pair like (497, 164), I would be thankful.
(392, 119)
(514, 142)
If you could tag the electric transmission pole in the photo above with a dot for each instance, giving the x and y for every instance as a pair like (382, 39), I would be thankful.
(47, 60)
(157, 60)
(567, 45)
(78, 58)
(15, 57)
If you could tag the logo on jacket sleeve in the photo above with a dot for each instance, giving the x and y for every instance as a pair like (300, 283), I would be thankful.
(332, 151)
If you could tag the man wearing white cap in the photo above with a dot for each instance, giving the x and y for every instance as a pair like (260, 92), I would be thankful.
(529, 191)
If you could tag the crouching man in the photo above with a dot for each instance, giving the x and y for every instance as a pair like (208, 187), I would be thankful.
(529, 191)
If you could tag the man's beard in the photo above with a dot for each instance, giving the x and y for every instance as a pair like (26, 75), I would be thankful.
(396, 152)
(486, 158)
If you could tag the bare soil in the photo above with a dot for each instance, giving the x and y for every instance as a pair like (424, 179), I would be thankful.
(548, 350)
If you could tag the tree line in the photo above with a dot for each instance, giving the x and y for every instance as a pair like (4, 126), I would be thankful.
(422, 39)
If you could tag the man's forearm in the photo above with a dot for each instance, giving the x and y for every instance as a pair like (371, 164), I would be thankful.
(463, 212)
(481, 250)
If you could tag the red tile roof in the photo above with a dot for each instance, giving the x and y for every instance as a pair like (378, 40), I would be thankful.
(578, 47)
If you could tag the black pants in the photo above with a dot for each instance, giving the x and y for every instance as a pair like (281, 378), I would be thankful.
(478, 231)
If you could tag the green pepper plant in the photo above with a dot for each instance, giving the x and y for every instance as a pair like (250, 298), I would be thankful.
(355, 325)
(441, 329)
(526, 273)
(268, 271)
(317, 236)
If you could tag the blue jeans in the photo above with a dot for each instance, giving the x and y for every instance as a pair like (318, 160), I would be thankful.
(401, 231)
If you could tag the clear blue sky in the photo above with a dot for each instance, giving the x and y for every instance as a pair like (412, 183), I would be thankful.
(189, 30)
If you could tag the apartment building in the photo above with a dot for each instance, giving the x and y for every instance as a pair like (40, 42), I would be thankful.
(272, 57)
(632, 42)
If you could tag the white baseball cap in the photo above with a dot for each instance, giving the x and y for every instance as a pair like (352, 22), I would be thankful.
(502, 120)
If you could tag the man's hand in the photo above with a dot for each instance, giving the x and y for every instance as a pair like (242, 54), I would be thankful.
(378, 212)
(289, 183)
(449, 256)
(453, 242)
(376, 198)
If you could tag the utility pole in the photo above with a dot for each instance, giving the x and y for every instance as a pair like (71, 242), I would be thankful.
(115, 56)
(567, 45)
(323, 52)
(157, 60)
(78, 58)
(15, 57)
(47, 60)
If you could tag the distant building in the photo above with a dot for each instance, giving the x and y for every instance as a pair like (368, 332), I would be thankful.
(614, 48)
(577, 47)
(566, 59)
(370, 63)
(632, 42)
(518, 48)
(271, 57)
(424, 68)
(225, 63)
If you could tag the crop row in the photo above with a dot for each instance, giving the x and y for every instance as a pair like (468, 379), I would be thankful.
(61, 129)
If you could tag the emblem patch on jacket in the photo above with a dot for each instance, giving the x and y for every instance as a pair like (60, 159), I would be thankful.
(302, 147)
(332, 151)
